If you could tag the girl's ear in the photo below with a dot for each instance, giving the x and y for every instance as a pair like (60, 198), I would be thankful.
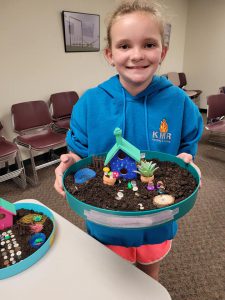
(163, 54)
(108, 56)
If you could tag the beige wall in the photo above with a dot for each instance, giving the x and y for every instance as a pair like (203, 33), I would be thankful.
(176, 14)
(34, 64)
(204, 60)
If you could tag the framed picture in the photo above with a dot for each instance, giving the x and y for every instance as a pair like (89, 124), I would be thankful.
(167, 32)
(81, 32)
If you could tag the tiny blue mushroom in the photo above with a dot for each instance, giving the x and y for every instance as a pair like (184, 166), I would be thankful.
(83, 175)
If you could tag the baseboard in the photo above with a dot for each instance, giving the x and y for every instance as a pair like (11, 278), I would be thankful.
(203, 110)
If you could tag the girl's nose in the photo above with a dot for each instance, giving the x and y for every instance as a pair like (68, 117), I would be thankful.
(137, 54)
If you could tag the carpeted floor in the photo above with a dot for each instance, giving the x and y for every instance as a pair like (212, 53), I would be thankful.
(195, 268)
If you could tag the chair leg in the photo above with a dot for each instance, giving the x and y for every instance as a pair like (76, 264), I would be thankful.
(21, 179)
(35, 180)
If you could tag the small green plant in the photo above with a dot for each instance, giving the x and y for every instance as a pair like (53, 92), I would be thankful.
(147, 168)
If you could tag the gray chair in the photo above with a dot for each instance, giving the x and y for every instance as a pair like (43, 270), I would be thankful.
(179, 79)
(10, 154)
(61, 105)
(216, 118)
(32, 121)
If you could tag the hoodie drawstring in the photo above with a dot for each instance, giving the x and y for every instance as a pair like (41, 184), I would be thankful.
(124, 113)
(146, 118)
(146, 122)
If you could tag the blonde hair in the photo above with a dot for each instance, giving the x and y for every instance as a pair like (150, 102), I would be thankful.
(128, 7)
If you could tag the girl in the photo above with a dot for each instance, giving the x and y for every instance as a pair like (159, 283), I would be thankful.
(137, 101)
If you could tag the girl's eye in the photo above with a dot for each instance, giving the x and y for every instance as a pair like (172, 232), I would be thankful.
(150, 45)
(125, 46)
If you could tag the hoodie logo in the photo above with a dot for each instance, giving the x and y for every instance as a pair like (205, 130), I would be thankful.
(162, 135)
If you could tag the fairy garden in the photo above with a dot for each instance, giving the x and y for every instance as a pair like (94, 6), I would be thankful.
(124, 180)
(22, 232)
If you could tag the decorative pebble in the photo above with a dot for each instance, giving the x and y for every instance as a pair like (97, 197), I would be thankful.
(133, 182)
(118, 198)
(137, 194)
(18, 253)
(135, 188)
(3, 243)
(5, 257)
(120, 194)
(2, 249)
(163, 200)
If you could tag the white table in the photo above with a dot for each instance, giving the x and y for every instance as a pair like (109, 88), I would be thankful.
(78, 267)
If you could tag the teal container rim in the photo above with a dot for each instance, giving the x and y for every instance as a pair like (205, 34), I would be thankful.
(154, 155)
(39, 253)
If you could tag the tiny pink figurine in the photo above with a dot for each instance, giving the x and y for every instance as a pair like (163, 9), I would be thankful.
(35, 228)
(7, 211)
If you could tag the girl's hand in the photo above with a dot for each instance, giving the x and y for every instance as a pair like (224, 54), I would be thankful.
(66, 161)
(189, 159)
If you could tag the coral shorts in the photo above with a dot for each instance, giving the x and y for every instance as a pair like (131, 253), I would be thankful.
(145, 254)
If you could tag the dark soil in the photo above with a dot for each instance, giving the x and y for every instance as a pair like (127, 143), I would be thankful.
(16, 247)
(178, 182)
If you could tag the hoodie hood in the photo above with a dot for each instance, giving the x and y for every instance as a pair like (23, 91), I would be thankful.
(115, 90)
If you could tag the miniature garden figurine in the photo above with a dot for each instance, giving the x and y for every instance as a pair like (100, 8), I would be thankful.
(123, 157)
(109, 177)
(7, 211)
(147, 169)
(160, 187)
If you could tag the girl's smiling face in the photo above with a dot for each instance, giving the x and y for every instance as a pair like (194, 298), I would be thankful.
(136, 49)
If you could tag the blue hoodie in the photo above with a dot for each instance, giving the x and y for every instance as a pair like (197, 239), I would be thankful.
(160, 118)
